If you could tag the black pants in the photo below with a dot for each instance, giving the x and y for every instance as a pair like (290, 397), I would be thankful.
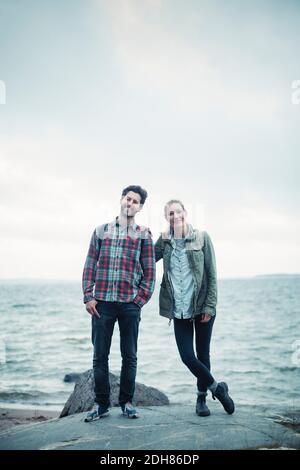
(128, 316)
(200, 365)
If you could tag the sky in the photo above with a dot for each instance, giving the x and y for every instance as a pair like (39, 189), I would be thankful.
(197, 100)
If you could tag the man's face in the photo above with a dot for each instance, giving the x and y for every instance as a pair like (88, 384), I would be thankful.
(131, 204)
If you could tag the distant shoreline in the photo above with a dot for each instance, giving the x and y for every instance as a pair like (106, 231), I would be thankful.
(77, 281)
(278, 275)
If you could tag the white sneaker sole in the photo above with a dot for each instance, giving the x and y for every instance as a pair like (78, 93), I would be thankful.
(87, 420)
(135, 416)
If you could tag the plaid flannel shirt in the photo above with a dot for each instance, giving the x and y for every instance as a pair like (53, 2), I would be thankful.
(120, 264)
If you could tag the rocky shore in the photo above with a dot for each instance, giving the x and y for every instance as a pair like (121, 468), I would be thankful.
(163, 427)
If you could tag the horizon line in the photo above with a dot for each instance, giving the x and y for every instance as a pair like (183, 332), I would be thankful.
(250, 276)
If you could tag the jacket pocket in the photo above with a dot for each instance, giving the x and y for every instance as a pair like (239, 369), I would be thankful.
(165, 299)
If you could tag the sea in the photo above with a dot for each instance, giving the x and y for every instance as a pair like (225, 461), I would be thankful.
(45, 333)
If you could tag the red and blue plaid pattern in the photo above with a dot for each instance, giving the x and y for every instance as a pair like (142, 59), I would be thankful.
(120, 265)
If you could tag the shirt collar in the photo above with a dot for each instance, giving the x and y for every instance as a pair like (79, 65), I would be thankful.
(167, 235)
(130, 228)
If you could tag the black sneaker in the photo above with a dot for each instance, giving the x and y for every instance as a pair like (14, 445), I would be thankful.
(97, 412)
(221, 394)
(201, 407)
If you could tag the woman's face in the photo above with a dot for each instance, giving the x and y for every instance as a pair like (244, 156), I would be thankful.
(175, 215)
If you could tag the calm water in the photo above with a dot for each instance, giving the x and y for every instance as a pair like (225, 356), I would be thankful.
(45, 333)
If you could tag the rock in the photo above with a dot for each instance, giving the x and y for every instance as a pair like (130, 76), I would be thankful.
(158, 428)
(82, 397)
(290, 419)
(72, 377)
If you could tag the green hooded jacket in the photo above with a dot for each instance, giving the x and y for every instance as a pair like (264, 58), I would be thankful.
(201, 258)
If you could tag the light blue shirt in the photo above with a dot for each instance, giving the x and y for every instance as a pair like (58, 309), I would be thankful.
(181, 279)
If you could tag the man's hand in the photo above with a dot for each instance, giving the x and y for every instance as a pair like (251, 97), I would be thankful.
(205, 317)
(91, 308)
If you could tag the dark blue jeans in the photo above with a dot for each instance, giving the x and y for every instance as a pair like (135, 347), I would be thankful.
(128, 316)
(184, 335)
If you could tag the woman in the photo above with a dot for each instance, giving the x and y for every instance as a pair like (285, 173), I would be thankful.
(188, 295)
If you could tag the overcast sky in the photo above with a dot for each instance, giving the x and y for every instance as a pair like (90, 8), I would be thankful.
(190, 99)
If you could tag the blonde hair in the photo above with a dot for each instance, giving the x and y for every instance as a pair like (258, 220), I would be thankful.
(173, 201)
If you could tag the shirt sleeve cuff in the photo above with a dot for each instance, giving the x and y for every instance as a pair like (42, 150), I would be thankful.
(209, 310)
(139, 301)
(87, 298)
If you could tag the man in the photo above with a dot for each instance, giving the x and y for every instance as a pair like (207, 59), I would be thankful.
(118, 280)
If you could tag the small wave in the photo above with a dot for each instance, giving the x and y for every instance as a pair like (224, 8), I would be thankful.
(33, 396)
(20, 396)
(247, 372)
(23, 305)
(287, 368)
(76, 340)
